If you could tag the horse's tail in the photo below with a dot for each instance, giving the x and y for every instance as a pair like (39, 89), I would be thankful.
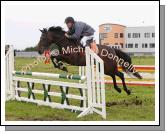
(130, 70)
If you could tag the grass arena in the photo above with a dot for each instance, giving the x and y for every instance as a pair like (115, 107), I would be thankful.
(139, 106)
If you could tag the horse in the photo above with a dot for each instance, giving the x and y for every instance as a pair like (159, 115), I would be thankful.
(56, 36)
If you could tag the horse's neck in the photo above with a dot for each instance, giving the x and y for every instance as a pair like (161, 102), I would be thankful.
(70, 50)
(68, 44)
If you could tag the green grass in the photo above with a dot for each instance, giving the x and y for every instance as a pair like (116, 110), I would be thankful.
(139, 106)
(143, 60)
(28, 63)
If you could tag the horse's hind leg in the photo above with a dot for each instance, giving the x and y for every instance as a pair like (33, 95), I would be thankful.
(115, 83)
(121, 75)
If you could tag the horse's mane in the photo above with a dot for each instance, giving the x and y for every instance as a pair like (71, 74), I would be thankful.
(56, 29)
(59, 29)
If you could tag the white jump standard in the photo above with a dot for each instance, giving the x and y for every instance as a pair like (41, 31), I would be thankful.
(91, 86)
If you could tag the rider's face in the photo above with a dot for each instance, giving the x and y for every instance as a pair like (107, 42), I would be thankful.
(69, 25)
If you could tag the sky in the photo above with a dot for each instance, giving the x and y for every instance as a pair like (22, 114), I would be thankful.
(22, 22)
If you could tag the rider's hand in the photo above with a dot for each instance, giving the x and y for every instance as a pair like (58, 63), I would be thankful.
(66, 35)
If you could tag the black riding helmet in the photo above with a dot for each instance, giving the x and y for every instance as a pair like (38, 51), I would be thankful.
(69, 19)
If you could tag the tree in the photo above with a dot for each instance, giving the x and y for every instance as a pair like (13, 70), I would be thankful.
(30, 49)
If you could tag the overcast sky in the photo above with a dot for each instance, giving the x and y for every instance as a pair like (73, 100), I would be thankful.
(23, 21)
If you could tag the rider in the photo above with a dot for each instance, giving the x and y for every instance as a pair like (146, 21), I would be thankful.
(80, 31)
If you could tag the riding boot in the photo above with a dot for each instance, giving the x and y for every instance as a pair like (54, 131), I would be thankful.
(94, 47)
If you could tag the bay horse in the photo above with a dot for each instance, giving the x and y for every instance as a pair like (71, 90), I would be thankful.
(55, 36)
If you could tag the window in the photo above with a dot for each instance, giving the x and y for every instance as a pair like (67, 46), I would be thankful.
(136, 35)
(130, 45)
(146, 35)
(152, 45)
(105, 35)
(139, 35)
(136, 45)
(142, 45)
(129, 35)
(116, 43)
(107, 28)
(121, 45)
(121, 35)
(116, 35)
(153, 35)
(125, 45)
(102, 36)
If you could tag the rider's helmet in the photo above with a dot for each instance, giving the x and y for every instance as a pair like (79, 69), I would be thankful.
(69, 19)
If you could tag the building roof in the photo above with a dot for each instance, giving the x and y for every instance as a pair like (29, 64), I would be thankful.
(112, 24)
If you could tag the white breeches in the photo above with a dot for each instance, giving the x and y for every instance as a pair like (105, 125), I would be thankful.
(85, 38)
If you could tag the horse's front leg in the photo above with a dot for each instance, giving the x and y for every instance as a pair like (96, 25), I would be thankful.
(56, 60)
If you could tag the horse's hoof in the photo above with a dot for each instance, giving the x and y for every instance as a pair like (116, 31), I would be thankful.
(65, 69)
(128, 92)
(118, 89)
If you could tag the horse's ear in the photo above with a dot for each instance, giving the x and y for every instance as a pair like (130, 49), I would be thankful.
(41, 30)
(44, 30)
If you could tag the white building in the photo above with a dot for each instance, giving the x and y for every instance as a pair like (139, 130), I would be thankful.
(140, 40)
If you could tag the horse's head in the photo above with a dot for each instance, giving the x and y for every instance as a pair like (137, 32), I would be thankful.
(44, 41)
(52, 35)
